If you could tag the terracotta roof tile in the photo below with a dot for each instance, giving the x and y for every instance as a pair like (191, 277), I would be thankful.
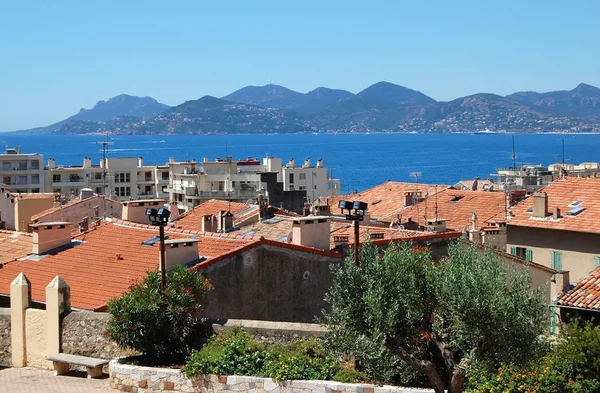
(73, 202)
(14, 245)
(370, 233)
(457, 207)
(92, 268)
(561, 194)
(386, 199)
(38, 195)
(585, 294)
(192, 219)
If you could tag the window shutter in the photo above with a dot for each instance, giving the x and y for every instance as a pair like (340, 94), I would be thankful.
(529, 255)
(513, 250)
(597, 262)
(559, 261)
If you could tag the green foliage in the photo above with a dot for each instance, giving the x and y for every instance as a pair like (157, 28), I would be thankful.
(572, 366)
(156, 325)
(235, 352)
(350, 376)
(399, 310)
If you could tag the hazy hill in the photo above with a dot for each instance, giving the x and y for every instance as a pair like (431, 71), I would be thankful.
(584, 100)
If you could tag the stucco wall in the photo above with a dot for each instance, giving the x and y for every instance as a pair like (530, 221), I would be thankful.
(83, 334)
(129, 378)
(76, 212)
(5, 345)
(35, 333)
(25, 208)
(578, 249)
(269, 283)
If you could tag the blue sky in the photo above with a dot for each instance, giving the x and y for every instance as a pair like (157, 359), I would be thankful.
(59, 56)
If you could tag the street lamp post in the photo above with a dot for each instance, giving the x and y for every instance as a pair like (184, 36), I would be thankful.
(356, 212)
(160, 218)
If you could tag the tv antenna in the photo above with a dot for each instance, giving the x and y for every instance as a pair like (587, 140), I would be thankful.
(514, 156)
(105, 145)
(416, 175)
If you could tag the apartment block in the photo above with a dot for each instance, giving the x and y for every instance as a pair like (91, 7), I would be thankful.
(119, 178)
(22, 173)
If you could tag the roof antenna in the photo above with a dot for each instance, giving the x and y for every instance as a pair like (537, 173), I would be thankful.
(514, 157)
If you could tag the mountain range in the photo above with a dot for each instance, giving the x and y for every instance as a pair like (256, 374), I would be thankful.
(382, 107)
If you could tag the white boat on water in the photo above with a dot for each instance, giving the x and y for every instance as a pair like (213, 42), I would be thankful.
(485, 132)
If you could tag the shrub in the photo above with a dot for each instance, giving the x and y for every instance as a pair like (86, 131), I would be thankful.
(572, 366)
(235, 352)
(350, 376)
(159, 326)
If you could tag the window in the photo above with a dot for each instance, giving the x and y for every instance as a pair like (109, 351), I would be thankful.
(596, 261)
(22, 180)
(148, 176)
(522, 252)
(6, 166)
(291, 178)
(56, 178)
(122, 191)
(97, 175)
(555, 262)
(22, 165)
(165, 175)
(302, 176)
(35, 179)
(123, 177)
(35, 165)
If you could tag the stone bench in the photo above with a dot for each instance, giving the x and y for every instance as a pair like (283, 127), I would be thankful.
(61, 362)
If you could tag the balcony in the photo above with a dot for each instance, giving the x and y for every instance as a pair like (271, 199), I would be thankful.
(72, 181)
(163, 181)
(145, 180)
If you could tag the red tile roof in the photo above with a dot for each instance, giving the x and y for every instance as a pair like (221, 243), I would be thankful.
(343, 230)
(14, 245)
(561, 194)
(457, 207)
(192, 219)
(585, 294)
(73, 202)
(386, 199)
(92, 268)
(33, 195)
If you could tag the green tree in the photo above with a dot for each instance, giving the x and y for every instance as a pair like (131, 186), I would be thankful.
(402, 308)
(159, 326)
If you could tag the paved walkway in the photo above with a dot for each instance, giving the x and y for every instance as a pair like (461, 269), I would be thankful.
(27, 380)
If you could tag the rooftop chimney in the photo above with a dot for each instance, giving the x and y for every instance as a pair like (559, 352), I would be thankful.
(135, 211)
(209, 223)
(51, 163)
(174, 210)
(312, 231)
(87, 162)
(556, 213)
(225, 221)
(306, 163)
(320, 163)
(540, 205)
(86, 193)
(410, 197)
(50, 235)
(291, 163)
(180, 252)
(140, 162)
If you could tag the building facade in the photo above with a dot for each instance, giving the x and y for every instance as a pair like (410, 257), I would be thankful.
(120, 178)
(22, 173)
(192, 183)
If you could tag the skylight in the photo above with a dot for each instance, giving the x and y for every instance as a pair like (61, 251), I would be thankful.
(152, 240)
(273, 220)
(575, 203)
(250, 232)
(575, 211)
(456, 198)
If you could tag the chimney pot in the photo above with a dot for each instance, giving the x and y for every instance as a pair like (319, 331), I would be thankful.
(556, 213)
(540, 205)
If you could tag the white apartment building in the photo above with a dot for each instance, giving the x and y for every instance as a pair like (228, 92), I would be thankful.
(120, 178)
(314, 179)
(22, 173)
(192, 183)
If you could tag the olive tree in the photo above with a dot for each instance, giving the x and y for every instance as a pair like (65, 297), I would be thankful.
(400, 307)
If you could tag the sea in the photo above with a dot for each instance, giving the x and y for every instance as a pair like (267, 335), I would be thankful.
(360, 161)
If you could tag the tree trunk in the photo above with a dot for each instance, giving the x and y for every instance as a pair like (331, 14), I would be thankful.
(432, 375)
(457, 382)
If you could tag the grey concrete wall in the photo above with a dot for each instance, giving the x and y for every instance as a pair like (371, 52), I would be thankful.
(578, 249)
(83, 333)
(5, 346)
(269, 283)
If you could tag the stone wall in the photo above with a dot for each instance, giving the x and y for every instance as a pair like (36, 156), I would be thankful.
(273, 332)
(5, 345)
(135, 379)
(83, 334)
(269, 283)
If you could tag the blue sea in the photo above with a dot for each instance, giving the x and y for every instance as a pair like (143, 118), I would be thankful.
(359, 160)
